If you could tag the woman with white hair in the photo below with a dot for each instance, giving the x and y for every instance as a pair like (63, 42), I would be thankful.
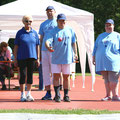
(26, 52)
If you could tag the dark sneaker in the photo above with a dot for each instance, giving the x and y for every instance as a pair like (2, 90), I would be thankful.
(47, 97)
(57, 99)
(23, 99)
(4, 87)
(115, 98)
(59, 96)
(66, 99)
(107, 98)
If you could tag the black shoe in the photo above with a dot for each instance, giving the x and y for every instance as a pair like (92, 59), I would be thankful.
(47, 97)
(4, 87)
(57, 99)
(66, 99)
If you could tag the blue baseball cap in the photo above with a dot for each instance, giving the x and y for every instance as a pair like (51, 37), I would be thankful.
(50, 8)
(110, 21)
(61, 17)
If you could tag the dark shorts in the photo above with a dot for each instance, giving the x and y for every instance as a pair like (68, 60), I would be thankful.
(26, 67)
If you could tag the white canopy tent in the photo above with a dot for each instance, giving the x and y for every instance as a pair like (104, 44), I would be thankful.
(81, 21)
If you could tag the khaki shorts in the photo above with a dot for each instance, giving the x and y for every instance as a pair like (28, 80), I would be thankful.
(110, 76)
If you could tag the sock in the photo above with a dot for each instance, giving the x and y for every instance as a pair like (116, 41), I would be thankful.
(65, 92)
(28, 93)
(23, 94)
(57, 90)
(49, 92)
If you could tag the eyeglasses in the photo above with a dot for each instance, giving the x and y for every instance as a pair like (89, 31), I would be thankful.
(28, 21)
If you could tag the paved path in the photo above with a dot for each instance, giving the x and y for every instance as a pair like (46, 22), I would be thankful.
(29, 116)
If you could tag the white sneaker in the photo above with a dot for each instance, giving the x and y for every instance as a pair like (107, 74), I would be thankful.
(107, 98)
(29, 98)
(23, 99)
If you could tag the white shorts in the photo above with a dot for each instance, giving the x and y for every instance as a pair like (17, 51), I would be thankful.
(58, 68)
(46, 68)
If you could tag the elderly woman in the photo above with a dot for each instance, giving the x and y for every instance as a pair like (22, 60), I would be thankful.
(26, 52)
(4, 56)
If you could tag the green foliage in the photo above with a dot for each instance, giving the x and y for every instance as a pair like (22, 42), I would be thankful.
(101, 9)
(2, 2)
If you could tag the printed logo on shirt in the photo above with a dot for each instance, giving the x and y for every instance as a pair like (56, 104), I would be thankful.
(33, 34)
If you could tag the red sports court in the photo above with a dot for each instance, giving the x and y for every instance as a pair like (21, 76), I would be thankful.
(81, 98)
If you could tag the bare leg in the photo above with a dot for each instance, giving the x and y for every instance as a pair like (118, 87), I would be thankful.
(22, 87)
(66, 81)
(61, 81)
(56, 78)
(29, 87)
(56, 83)
(107, 83)
(107, 87)
(114, 88)
(66, 84)
(48, 87)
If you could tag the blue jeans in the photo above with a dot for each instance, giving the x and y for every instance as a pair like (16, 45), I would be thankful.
(41, 87)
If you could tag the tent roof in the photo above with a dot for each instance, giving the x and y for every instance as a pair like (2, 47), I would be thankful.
(81, 21)
(11, 14)
(38, 7)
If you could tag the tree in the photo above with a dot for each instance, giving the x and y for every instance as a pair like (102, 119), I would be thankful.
(2, 2)
(101, 9)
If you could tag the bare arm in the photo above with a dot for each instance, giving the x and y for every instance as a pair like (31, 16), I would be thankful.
(47, 44)
(38, 55)
(74, 46)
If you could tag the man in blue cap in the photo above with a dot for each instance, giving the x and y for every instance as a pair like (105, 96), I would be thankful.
(45, 28)
(61, 41)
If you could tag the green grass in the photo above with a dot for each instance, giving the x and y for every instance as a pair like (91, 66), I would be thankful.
(57, 111)
(77, 74)
(80, 74)
(86, 74)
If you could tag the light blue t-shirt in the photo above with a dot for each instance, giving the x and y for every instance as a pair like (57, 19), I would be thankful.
(27, 42)
(45, 28)
(107, 52)
(61, 41)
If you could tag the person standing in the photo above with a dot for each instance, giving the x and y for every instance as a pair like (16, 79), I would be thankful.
(45, 28)
(61, 41)
(26, 53)
(106, 57)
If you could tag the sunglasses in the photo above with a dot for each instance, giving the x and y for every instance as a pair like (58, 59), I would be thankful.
(28, 21)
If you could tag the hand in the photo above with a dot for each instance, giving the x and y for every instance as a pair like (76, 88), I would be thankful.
(15, 63)
(75, 57)
(38, 62)
(93, 60)
(51, 49)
